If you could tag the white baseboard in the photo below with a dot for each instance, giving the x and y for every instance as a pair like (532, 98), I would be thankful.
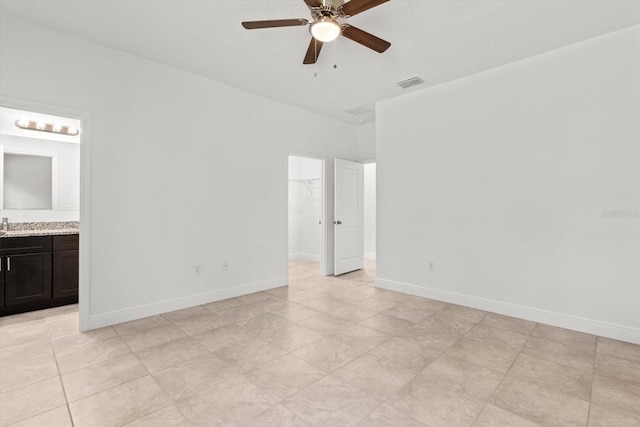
(370, 255)
(133, 313)
(608, 330)
(301, 255)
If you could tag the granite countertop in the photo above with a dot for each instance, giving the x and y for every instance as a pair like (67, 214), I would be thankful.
(26, 229)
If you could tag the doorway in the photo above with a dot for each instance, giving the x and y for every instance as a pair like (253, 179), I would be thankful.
(60, 135)
(370, 216)
(306, 207)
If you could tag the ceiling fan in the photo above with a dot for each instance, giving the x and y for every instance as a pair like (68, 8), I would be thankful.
(325, 26)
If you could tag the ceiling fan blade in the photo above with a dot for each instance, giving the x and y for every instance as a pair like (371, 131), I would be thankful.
(364, 38)
(313, 51)
(313, 3)
(356, 6)
(252, 25)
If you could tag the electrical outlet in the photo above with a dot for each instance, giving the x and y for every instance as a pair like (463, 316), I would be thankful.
(225, 265)
(197, 270)
(432, 266)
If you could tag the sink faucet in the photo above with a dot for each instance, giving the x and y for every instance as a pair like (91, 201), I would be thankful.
(5, 225)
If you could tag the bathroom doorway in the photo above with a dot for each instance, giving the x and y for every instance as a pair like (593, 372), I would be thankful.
(306, 212)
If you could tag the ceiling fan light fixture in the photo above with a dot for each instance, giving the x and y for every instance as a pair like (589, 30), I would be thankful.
(325, 29)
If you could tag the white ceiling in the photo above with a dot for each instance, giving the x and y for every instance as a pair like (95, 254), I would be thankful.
(437, 40)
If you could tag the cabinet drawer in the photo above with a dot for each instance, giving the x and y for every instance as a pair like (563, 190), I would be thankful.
(66, 242)
(25, 245)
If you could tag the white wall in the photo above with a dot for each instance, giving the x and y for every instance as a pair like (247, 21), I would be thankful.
(370, 210)
(501, 179)
(366, 142)
(184, 171)
(305, 208)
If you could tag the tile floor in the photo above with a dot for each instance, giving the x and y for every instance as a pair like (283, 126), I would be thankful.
(325, 351)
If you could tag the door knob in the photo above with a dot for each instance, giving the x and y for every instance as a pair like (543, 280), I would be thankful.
(338, 222)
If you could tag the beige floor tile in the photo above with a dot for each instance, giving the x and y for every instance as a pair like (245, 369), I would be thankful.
(377, 303)
(619, 349)
(284, 376)
(273, 303)
(264, 323)
(253, 297)
(291, 337)
(119, 405)
(407, 312)
(378, 378)
(292, 294)
(617, 368)
(250, 353)
(330, 402)
(277, 416)
(602, 416)
(102, 376)
(468, 313)
(611, 393)
(412, 355)
(542, 405)
(57, 417)
(463, 377)
(440, 331)
(573, 382)
(22, 352)
(435, 405)
(135, 326)
(70, 342)
(239, 314)
(229, 402)
(62, 325)
(167, 417)
(512, 324)
(172, 353)
(185, 313)
(361, 337)
(492, 416)
(89, 354)
(425, 303)
(353, 313)
(59, 311)
(25, 402)
(574, 357)
(326, 304)
(185, 381)
(24, 332)
(387, 324)
(565, 336)
(16, 319)
(152, 337)
(490, 347)
(386, 416)
(201, 322)
(29, 371)
(225, 336)
(328, 354)
(222, 305)
(296, 313)
(325, 324)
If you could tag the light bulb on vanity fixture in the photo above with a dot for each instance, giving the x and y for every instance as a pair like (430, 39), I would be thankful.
(47, 127)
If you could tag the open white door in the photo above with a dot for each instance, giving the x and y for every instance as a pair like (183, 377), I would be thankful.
(349, 216)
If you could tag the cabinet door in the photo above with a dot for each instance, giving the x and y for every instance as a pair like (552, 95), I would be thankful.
(1, 282)
(27, 278)
(65, 274)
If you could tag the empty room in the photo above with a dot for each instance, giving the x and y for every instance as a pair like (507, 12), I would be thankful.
(320, 213)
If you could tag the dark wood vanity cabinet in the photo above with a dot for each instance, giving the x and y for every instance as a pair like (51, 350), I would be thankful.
(38, 272)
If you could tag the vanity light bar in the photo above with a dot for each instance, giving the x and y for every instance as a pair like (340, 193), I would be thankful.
(47, 127)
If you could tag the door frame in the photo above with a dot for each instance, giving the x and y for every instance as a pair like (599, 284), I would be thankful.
(323, 209)
(84, 285)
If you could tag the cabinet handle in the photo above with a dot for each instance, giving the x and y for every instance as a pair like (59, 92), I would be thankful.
(8, 264)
